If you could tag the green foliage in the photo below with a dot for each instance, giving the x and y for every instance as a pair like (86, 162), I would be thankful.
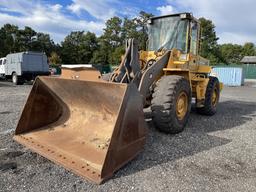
(8, 34)
(231, 53)
(141, 21)
(129, 29)
(111, 43)
(13, 39)
(101, 55)
(116, 56)
(54, 59)
(209, 41)
(225, 53)
(249, 49)
(42, 42)
(78, 47)
(112, 32)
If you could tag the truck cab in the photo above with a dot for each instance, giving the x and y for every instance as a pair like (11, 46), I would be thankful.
(2, 67)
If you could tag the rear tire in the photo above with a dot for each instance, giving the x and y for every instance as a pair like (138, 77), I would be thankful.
(212, 96)
(171, 104)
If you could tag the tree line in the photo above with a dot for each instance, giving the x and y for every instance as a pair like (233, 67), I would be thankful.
(225, 53)
(80, 47)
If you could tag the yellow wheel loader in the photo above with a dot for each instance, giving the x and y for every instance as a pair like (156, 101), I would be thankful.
(93, 127)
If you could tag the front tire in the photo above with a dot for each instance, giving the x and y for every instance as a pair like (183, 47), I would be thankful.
(171, 104)
(16, 80)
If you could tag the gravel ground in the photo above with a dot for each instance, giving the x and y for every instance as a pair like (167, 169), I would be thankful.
(215, 153)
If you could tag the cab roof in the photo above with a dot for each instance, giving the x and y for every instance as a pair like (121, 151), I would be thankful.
(186, 14)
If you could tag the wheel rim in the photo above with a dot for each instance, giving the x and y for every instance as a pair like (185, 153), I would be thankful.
(215, 96)
(182, 105)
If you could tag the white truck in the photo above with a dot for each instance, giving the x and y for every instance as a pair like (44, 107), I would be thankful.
(24, 66)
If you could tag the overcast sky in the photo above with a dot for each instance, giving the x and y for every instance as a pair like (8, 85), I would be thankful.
(235, 20)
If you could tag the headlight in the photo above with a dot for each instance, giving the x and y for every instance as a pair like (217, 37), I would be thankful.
(183, 16)
(183, 57)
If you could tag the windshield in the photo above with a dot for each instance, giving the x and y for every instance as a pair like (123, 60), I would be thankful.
(168, 33)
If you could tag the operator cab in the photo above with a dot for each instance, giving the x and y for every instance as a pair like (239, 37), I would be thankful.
(179, 31)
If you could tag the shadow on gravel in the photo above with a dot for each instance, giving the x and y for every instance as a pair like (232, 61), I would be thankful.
(15, 158)
(4, 83)
(8, 160)
(5, 112)
(162, 148)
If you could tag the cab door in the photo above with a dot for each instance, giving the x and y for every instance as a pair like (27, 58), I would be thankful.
(194, 38)
(2, 66)
(194, 45)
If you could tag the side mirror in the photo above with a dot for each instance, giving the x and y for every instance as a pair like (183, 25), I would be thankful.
(150, 22)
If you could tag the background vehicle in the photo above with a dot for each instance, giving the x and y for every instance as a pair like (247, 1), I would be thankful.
(93, 127)
(25, 66)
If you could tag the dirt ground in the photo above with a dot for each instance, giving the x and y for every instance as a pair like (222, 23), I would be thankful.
(215, 153)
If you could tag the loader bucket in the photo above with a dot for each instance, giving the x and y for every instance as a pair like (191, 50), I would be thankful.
(91, 128)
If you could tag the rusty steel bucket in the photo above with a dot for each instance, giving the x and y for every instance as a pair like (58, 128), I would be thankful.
(91, 128)
(80, 73)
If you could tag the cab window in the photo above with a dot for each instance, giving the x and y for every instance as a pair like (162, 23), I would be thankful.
(194, 37)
